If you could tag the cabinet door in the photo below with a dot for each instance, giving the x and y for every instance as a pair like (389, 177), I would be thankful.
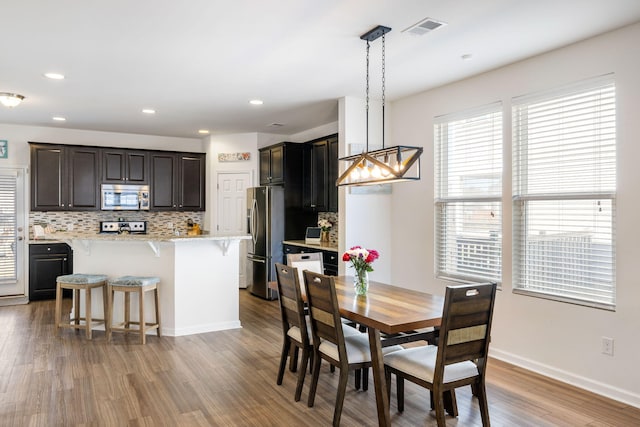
(48, 178)
(265, 167)
(137, 167)
(333, 170)
(319, 175)
(46, 262)
(83, 173)
(192, 182)
(277, 165)
(113, 166)
(164, 176)
(124, 166)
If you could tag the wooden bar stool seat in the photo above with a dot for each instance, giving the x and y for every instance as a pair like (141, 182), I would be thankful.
(140, 285)
(79, 282)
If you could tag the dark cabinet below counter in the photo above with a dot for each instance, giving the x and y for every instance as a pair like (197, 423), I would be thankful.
(329, 256)
(46, 262)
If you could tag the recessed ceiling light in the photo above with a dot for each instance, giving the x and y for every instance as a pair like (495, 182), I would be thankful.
(149, 111)
(256, 102)
(204, 131)
(54, 76)
(59, 119)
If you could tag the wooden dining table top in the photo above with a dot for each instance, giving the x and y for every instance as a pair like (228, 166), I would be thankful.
(389, 309)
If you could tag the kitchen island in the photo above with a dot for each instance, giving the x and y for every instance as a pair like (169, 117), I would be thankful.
(198, 275)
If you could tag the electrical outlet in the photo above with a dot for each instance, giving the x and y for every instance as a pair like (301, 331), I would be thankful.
(170, 226)
(607, 346)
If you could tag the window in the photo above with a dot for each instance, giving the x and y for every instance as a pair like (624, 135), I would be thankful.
(468, 179)
(564, 188)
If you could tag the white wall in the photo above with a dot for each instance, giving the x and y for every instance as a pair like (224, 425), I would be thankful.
(557, 339)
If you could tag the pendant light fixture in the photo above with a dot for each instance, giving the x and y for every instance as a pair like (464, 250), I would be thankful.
(10, 99)
(386, 165)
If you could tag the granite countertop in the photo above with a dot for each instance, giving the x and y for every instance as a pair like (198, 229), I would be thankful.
(322, 246)
(62, 237)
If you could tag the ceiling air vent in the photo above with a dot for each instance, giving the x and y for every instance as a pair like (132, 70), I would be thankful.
(275, 125)
(424, 26)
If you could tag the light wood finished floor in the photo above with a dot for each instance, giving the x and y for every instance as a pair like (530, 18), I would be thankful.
(229, 379)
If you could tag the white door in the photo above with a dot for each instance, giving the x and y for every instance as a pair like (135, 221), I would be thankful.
(12, 232)
(232, 211)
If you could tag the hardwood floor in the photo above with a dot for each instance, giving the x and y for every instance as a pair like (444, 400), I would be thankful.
(229, 379)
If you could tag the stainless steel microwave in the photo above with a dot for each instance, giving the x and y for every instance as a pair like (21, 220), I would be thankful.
(117, 197)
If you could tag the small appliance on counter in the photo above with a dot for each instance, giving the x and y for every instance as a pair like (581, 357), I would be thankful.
(133, 227)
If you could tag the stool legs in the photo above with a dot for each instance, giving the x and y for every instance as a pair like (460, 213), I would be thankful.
(125, 326)
(58, 312)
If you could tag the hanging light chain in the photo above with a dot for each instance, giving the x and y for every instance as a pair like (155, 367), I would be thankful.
(383, 70)
(367, 107)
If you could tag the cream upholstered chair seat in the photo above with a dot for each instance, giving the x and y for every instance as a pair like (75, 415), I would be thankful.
(294, 331)
(420, 362)
(358, 350)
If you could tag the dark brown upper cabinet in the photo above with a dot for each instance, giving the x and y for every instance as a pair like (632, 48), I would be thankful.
(321, 193)
(177, 181)
(125, 166)
(64, 177)
(272, 166)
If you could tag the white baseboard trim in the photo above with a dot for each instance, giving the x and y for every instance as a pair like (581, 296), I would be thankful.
(13, 300)
(201, 329)
(606, 390)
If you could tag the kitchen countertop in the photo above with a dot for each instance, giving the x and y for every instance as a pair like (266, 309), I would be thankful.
(62, 237)
(322, 246)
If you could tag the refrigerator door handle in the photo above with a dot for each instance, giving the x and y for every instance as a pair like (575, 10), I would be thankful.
(254, 220)
(261, 261)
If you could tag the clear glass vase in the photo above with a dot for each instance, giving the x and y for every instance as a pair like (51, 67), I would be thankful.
(361, 282)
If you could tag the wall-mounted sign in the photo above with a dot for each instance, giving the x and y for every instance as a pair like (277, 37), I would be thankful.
(4, 148)
(233, 157)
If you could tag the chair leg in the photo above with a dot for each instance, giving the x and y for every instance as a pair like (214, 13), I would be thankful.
(484, 406)
(365, 379)
(143, 335)
(387, 379)
(286, 345)
(358, 375)
(87, 312)
(400, 392)
(439, 404)
(293, 361)
(58, 313)
(301, 373)
(314, 380)
(76, 307)
(110, 293)
(157, 298)
(342, 389)
(127, 311)
(450, 403)
(105, 308)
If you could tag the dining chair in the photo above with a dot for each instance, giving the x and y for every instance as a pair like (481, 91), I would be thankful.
(347, 353)
(313, 261)
(294, 325)
(460, 357)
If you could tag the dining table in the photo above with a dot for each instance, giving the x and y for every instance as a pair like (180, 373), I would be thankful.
(388, 310)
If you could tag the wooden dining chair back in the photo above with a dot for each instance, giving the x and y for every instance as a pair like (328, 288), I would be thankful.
(460, 357)
(308, 261)
(294, 326)
(330, 341)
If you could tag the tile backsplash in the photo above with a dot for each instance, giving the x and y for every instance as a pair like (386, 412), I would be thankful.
(158, 223)
(332, 217)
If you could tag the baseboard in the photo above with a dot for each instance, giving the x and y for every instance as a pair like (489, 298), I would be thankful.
(597, 387)
(201, 329)
(13, 300)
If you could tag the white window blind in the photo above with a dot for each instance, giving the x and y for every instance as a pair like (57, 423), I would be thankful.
(468, 206)
(564, 187)
(8, 233)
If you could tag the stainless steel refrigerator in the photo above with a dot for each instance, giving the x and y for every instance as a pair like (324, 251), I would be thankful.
(265, 217)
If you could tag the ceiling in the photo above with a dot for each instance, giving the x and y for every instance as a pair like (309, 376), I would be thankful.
(199, 62)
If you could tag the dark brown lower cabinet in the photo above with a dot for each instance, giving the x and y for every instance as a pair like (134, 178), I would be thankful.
(46, 262)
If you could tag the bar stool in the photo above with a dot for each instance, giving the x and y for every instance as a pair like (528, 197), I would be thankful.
(78, 282)
(140, 285)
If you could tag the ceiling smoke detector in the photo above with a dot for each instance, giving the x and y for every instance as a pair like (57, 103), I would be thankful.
(424, 26)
